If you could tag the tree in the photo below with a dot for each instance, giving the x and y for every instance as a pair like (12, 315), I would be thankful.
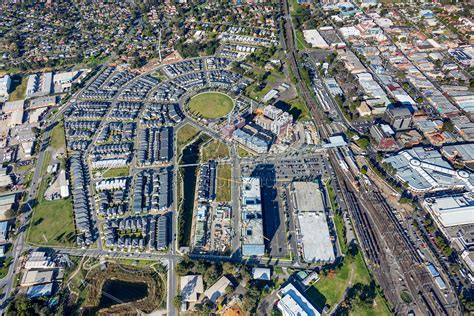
(363, 169)
(177, 301)
(448, 126)
(228, 268)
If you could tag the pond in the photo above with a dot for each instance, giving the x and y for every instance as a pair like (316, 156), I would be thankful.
(118, 291)
(189, 156)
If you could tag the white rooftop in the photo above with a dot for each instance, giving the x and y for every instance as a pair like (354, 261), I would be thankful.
(294, 303)
(452, 210)
(314, 233)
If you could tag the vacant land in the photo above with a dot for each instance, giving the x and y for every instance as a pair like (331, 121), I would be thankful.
(58, 139)
(52, 222)
(19, 88)
(298, 109)
(210, 105)
(116, 172)
(224, 182)
(184, 135)
(214, 150)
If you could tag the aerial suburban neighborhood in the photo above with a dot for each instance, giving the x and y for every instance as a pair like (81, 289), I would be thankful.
(291, 157)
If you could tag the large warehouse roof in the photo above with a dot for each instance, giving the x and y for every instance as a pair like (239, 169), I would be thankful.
(314, 231)
(452, 210)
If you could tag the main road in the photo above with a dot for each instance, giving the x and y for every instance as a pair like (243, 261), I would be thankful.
(20, 242)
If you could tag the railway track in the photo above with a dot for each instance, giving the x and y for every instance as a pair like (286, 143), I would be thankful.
(376, 212)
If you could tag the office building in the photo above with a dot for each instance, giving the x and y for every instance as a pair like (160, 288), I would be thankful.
(398, 117)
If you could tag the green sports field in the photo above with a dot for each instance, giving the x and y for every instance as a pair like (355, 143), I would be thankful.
(210, 105)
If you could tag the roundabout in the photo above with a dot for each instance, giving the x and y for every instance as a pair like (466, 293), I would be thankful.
(210, 105)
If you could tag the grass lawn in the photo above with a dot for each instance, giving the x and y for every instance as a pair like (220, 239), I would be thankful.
(117, 172)
(215, 149)
(278, 270)
(258, 95)
(300, 42)
(19, 85)
(339, 223)
(5, 266)
(330, 288)
(378, 309)
(58, 139)
(242, 152)
(224, 181)
(25, 168)
(298, 109)
(184, 135)
(210, 105)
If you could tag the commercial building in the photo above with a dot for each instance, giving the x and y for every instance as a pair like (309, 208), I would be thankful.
(274, 119)
(42, 102)
(451, 210)
(272, 94)
(39, 260)
(39, 85)
(251, 141)
(314, 239)
(398, 117)
(463, 153)
(5, 84)
(217, 289)
(263, 274)
(424, 170)
(333, 87)
(315, 39)
(3, 231)
(252, 222)
(383, 137)
(191, 286)
(292, 302)
(7, 202)
(33, 277)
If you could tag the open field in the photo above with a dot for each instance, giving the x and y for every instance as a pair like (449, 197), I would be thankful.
(224, 182)
(184, 135)
(116, 172)
(215, 149)
(210, 105)
(45, 228)
(52, 223)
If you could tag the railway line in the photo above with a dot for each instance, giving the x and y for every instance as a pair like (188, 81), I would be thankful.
(384, 241)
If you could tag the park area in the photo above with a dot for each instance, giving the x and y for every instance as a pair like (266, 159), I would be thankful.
(210, 105)
(331, 288)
